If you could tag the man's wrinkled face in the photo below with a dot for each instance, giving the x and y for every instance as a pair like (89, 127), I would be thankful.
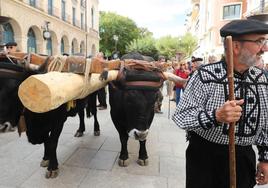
(252, 48)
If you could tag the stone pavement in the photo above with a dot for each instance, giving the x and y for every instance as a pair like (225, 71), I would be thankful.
(91, 162)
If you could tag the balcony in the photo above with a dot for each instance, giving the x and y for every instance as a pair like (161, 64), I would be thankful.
(258, 10)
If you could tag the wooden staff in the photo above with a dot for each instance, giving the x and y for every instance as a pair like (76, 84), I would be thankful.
(230, 76)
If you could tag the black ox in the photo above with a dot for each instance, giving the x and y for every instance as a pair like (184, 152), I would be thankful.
(132, 97)
(41, 127)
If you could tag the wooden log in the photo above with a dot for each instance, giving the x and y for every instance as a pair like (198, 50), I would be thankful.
(45, 92)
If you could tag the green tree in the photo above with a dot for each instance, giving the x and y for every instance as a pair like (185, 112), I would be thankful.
(188, 44)
(168, 46)
(113, 26)
(145, 46)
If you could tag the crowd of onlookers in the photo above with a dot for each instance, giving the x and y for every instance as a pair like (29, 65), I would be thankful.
(184, 70)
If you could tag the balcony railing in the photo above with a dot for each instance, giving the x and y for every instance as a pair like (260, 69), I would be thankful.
(258, 9)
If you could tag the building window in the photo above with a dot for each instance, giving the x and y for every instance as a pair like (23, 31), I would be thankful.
(231, 11)
(62, 46)
(31, 42)
(33, 3)
(74, 16)
(72, 51)
(82, 21)
(63, 8)
(8, 33)
(49, 46)
(83, 3)
(92, 18)
(50, 7)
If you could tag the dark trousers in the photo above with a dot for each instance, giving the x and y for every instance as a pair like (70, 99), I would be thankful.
(207, 164)
(102, 97)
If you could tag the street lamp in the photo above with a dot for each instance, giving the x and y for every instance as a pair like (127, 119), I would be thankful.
(46, 32)
(115, 54)
(115, 37)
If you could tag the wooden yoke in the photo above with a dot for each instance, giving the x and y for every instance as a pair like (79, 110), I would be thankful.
(230, 76)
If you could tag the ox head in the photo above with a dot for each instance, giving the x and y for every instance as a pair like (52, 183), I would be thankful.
(12, 73)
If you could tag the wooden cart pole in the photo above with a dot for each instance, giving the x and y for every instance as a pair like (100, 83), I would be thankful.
(230, 76)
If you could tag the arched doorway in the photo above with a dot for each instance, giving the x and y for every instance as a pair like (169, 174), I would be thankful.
(31, 42)
(62, 46)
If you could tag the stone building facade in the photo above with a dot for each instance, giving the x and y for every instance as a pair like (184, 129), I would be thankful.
(52, 27)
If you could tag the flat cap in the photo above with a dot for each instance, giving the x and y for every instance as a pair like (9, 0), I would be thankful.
(242, 27)
(197, 59)
(11, 44)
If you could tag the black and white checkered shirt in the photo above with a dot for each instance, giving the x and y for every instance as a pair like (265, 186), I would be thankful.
(207, 90)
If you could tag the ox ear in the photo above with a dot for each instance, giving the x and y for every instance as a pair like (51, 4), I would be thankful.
(172, 77)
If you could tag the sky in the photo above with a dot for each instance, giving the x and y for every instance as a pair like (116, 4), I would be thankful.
(161, 17)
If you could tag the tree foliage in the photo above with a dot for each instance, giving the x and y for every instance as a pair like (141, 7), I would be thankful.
(132, 38)
(145, 46)
(112, 25)
(188, 44)
(169, 46)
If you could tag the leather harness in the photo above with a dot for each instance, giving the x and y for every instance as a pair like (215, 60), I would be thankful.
(148, 68)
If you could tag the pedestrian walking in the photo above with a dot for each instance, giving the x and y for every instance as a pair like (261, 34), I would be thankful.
(205, 112)
(101, 93)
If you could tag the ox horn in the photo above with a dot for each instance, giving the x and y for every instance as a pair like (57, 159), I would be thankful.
(174, 78)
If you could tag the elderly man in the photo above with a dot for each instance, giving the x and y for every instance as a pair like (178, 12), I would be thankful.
(205, 112)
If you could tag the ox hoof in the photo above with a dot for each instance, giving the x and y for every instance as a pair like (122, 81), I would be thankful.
(52, 173)
(143, 162)
(123, 163)
(96, 133)
(78, 134)
(44, 163)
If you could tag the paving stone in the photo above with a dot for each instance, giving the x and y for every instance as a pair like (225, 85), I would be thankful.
(69, 177)
(172, 167)
(178, 182)
(103, 160)
(121, 180)
(15, 172)
(112, 144)
(81, 158)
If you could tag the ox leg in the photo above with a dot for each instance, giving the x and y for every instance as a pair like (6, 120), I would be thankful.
(92, 109)
(52, 170)
(143, 157)
(81, 129)
(96, 125)
(123, 158)
(45, 161)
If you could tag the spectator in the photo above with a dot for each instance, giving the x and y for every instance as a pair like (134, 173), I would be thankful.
(182, 72)
(158, 103)
(101, 92)
(11, 47)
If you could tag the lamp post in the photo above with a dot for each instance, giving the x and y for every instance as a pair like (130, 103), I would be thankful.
(115, 37)
(115, 54)
(46, 32)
